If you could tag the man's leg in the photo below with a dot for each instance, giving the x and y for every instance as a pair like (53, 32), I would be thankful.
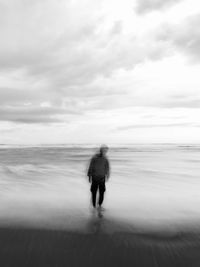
(102, 189)
(93, 190)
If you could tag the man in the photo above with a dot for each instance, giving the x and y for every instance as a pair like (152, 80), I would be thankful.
(98, 173)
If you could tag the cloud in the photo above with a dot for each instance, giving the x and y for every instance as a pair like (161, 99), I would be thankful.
(62, 53)
(186, 101)
(67, 43)
(117, 27)
(33, 114)
(145, 6)
(185, 37)
(69, 61)
(135, 126)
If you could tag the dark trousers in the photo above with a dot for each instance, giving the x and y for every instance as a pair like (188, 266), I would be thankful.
(100, 185)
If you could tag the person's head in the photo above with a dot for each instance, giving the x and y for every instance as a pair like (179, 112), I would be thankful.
(103, 149)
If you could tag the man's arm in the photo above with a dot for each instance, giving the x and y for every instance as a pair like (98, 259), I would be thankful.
(107, 169)
(89, 173)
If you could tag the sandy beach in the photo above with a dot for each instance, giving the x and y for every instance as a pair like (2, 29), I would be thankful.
(151, 215)
(28, 246)
(98, 240)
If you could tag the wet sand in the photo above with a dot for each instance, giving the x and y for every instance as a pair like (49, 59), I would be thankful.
(96, 247)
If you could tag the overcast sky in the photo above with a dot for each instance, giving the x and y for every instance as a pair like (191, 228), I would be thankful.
(90, 71)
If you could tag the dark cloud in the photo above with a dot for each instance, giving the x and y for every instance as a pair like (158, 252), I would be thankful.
(65, 44)
(12, 96)
(41, 37)
(32, 114)
(145, 6)
(117, 27)
(185, 37)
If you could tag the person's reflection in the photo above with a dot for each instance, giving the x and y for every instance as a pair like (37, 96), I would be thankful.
(96, 222)
(98, 173)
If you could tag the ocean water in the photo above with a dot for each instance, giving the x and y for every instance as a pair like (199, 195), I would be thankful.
(150, 185)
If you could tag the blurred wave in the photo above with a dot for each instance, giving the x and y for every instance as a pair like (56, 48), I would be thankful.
(154, 183)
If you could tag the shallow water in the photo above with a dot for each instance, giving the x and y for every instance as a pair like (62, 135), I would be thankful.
(150, 185)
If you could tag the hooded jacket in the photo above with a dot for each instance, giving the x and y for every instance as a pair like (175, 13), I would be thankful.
(99, 167)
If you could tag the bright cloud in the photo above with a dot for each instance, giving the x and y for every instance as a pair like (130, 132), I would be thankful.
(81, 68)
(144, 6)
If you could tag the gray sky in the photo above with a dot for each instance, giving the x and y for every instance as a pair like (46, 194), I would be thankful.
(90, 71)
